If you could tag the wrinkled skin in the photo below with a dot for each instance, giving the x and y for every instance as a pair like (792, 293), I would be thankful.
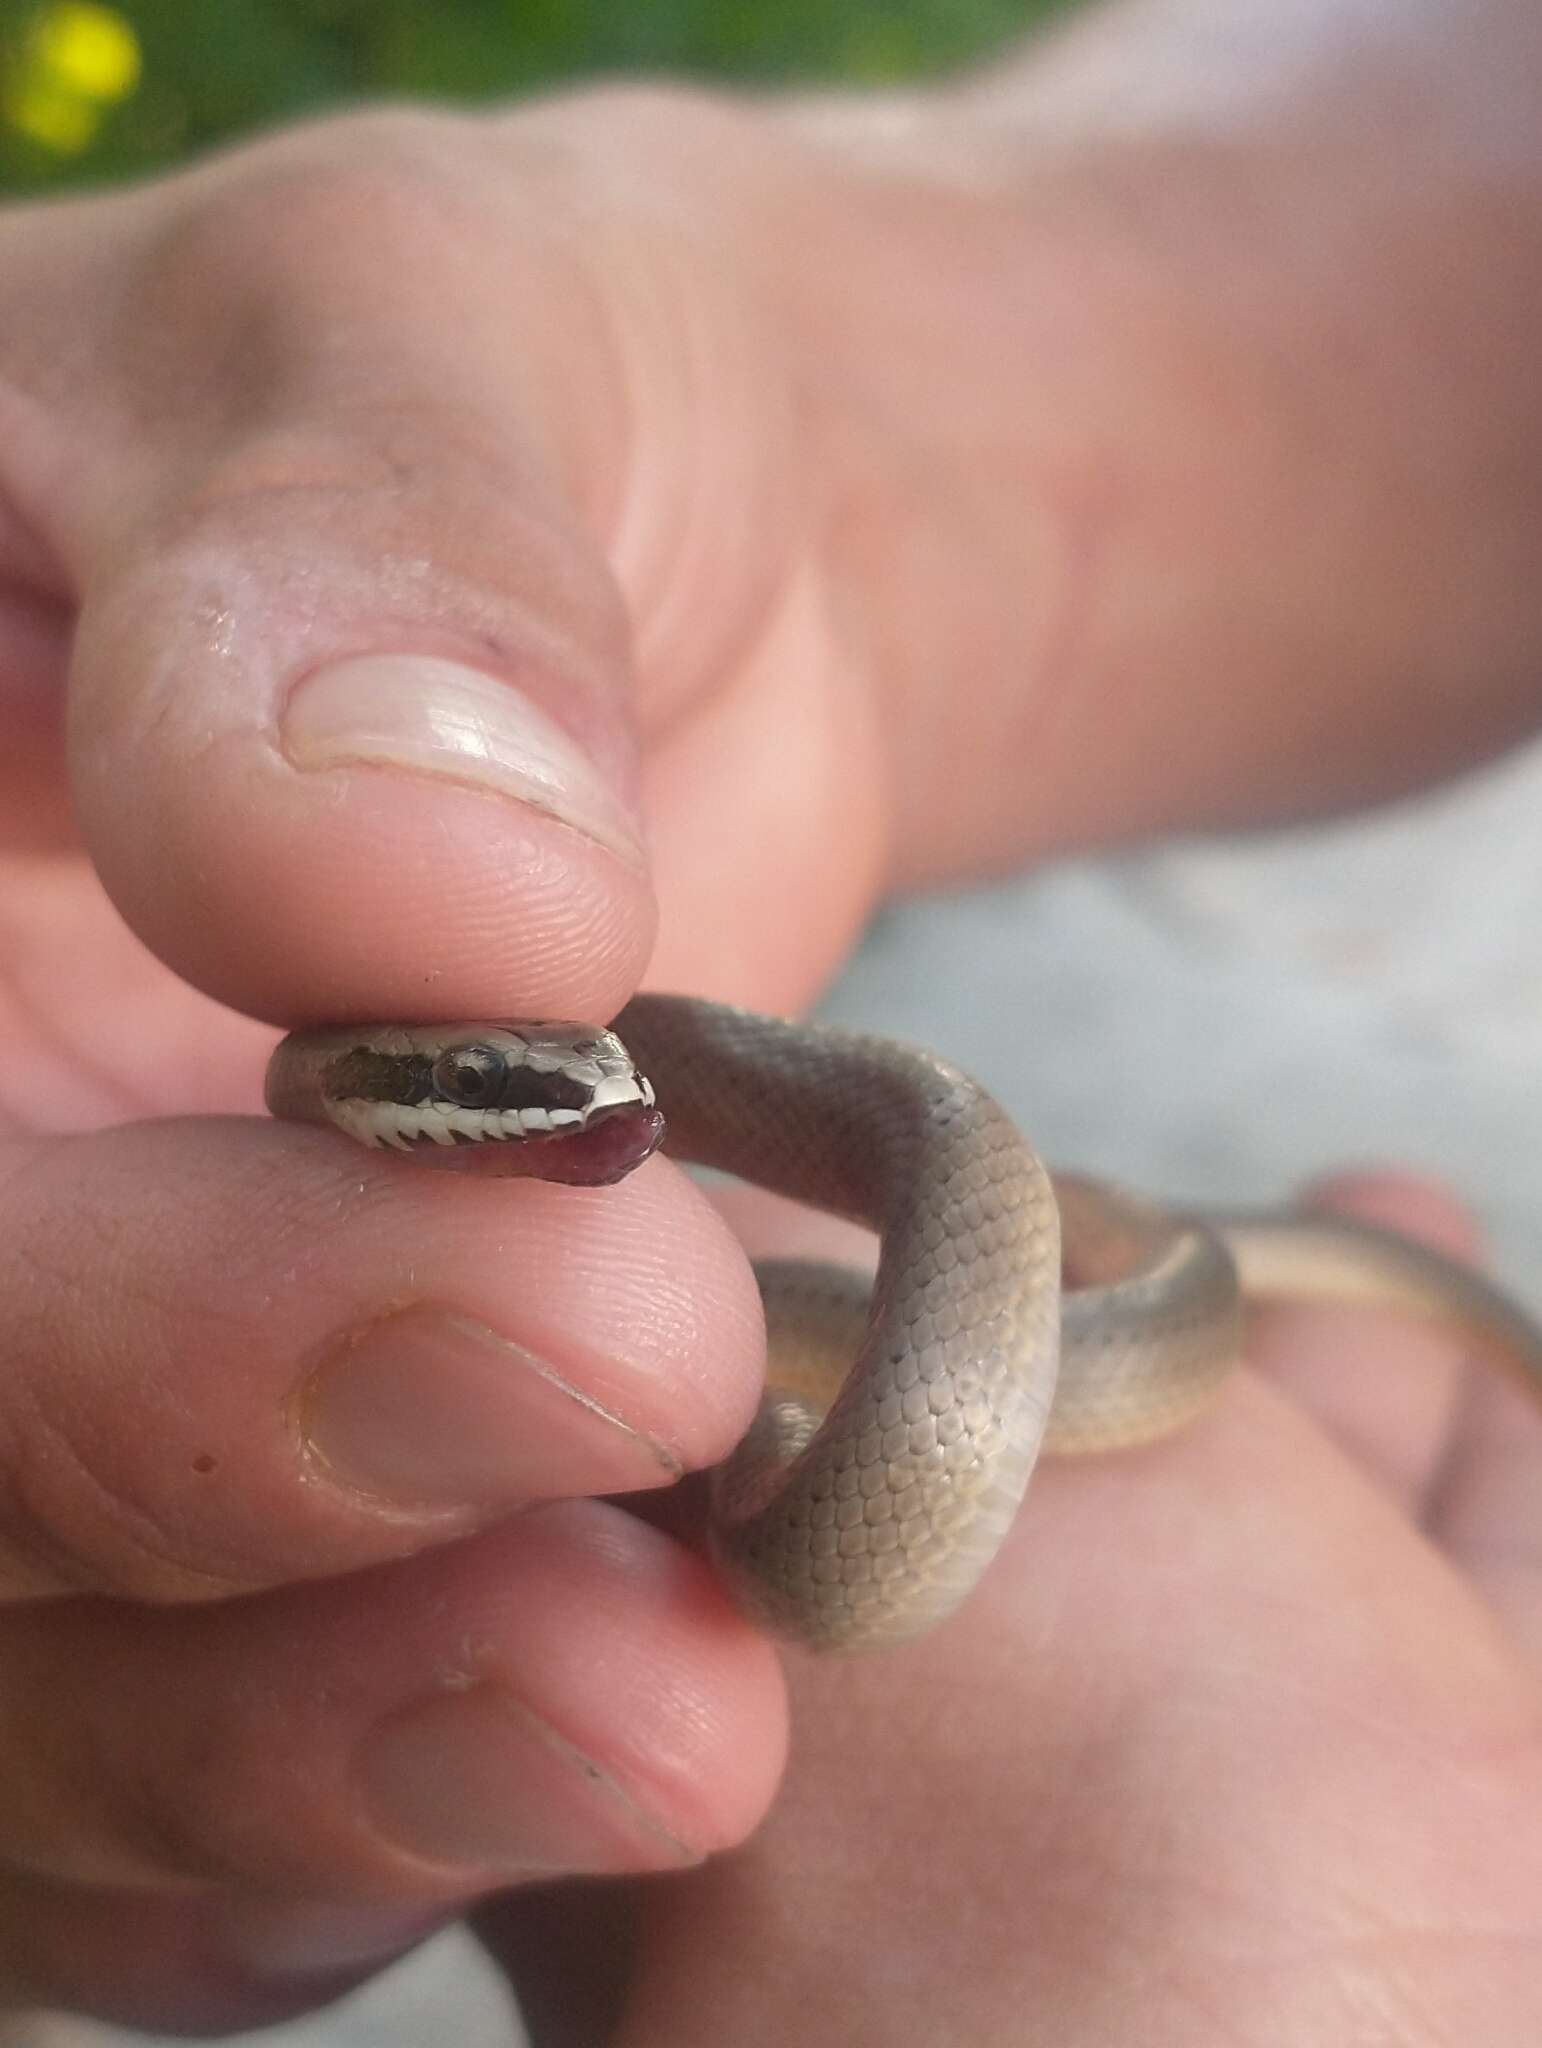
(609, 399)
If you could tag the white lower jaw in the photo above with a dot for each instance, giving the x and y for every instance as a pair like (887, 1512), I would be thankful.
(396, 1124)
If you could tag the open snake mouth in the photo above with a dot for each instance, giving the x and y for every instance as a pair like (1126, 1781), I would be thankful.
(450, 1090)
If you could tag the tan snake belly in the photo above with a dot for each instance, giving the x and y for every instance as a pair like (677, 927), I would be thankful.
(902, 1417)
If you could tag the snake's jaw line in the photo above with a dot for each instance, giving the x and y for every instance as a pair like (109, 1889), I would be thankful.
(405, 1126)
(390, 1123)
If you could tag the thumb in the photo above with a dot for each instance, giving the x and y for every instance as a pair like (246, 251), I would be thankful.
(350, 704)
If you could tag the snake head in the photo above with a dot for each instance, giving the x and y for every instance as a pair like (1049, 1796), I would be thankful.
(558, 1101)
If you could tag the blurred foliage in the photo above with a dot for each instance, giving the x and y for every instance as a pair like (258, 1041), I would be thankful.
(91, 90)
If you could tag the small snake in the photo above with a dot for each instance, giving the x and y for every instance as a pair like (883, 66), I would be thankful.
(903, 1415)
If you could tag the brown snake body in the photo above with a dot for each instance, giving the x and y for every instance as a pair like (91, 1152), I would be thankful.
(903, 1416)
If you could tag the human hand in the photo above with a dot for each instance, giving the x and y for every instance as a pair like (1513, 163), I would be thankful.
(1237, 1743)
(273, 1399)
(609, 403)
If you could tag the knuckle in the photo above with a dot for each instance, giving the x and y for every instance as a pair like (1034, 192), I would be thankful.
(322, 212)
(85, 1503)
(178, 1815)
(66, 1526)
(215, 1800)
(344, 223)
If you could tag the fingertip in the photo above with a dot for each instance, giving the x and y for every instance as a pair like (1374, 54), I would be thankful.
(646, 1305)
(384, 897)
(609, 1710)
(319, 791)
(702, 1732)
(367, 893)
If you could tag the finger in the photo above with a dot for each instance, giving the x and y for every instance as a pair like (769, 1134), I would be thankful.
(1386, 1388)
(346, 636)
(568, 1693)
(458, 386)
(742, 925)
(240, 1352)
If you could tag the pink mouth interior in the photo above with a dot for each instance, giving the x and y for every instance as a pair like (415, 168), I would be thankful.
(612, 1146)
(604, 1153)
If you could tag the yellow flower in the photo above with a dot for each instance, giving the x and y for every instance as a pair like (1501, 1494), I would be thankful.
(75, 61)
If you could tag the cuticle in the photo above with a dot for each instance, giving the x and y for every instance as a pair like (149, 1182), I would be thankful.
(317, 1467)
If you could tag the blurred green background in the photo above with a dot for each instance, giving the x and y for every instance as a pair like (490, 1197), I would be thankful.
(90, 90)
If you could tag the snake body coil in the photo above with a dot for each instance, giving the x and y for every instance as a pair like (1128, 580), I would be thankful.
(903, 1416)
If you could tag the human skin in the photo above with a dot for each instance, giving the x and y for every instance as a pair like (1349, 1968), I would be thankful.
(956, 457)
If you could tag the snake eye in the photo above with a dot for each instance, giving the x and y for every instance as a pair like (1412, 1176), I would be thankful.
(471, 1075)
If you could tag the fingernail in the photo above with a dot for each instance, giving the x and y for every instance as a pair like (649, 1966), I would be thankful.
(431, 1408)
(434, 717)
(285, 1939)
(477, 1782)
